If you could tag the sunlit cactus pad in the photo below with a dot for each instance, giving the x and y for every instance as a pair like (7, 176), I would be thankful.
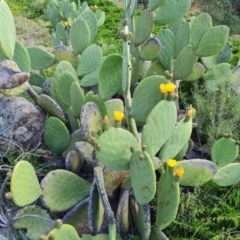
(66, 232)
(114, 152)
(24, 184)
(63, 189)
(196, 171)
(35, 226)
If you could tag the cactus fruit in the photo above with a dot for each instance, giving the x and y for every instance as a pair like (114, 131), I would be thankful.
(24, 184)
(61, 184)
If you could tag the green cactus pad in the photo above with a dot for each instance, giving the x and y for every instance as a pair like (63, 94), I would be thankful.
(122, 215)
(24, 184)
(180, 136)
(91, 19)
(35, 226)
(73, 162)
(56, 135)
(66, 232)
(100, 17)
(159, 126)
(199, 27)
(61, 34)
(40, 58)
(146, 96)
(91, 59)
(157, 234)
(150, 49)
(63, 189)
(21, 57)
(167, 40)
(182, 152)
(90, 79)
(144, 221)
(95, 210)
(168, 198)
(74, 122)
(76, 98)
(184, 63)
(90, 120)
(64, 53)
(85, 150)
(227, 175)
(141, 167)
(60, 89)
(50, 106)
(223, 57)
(224, 151)
(182, 38)
(217, 76)
(79, 35)
(113, 105)
(144, 27)
(99, 237)
(64, 66)
(156, 68)
(172, 11)
(198, 71)
(36, 79)
(154, 4)
(7, 40)
(114, 150)
(213, 41)
(110, 82)
(196, 171)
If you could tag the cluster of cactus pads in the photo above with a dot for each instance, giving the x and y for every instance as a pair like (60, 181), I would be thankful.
(86, 128)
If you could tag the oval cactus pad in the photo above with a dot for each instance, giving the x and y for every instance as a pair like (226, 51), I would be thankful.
(63, 189)
(143, 177)
(56, 135)
(114, 152)
(24, 184)
(196, 171)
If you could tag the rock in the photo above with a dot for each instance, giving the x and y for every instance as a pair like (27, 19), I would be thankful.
(21, 124)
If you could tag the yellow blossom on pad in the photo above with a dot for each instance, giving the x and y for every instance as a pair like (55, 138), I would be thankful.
(172, 163)
(179, 173)
(118, 116)
(66, 24)
(163, 88)
(170, 87)
(95, 7)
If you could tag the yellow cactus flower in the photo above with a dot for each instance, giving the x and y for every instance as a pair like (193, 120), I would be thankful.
(170, 87)
(118, 116)
(163, 88)
(172, 163)
(95, 7)
(189, 113)
(179, 173)
(66, 24)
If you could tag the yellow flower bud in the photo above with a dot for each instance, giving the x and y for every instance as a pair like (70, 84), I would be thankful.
(170, 87)
(95, 7)
(66, 24)
(189, 113)
(172, 163)
(118, 116)
(163, 88)
(106, 120)
(179, 173)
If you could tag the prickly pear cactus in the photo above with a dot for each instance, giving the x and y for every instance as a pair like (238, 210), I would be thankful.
(24, 185)
(63, 189)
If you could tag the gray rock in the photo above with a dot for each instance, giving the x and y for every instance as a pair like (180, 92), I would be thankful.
(21, 123)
